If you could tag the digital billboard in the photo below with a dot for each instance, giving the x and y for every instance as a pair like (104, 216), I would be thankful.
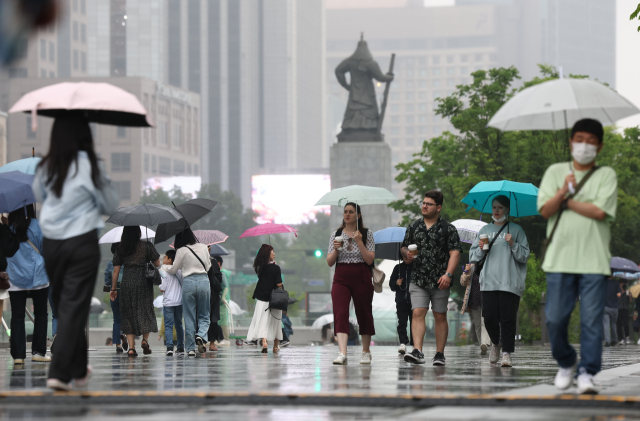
(188, 185)
(288, 199)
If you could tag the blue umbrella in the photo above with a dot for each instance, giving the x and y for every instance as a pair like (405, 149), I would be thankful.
(218, 250)
(15, 191)
(27, 165)
(388, 242)
(620, 264)
(523, 196)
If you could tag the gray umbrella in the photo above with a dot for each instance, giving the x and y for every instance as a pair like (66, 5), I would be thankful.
(148, 215)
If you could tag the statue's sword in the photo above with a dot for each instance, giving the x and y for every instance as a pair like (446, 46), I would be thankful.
(383, 107)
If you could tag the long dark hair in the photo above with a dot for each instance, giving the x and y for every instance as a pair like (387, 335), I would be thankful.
(20, 220)
(358, 212)
(185, 238)
(262, 259)
(70, 134)
(129, 241)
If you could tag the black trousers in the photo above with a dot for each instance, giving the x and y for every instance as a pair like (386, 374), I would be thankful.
(18, 338)
(72, 266)
(215, 331)
(623, 323)
(500, 312)
(404, 313)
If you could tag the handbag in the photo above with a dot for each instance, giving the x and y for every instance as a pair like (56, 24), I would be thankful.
(213, 282)
(4, 280)
(378, 278)
(547, 241)
(279, 300)
(151, 273)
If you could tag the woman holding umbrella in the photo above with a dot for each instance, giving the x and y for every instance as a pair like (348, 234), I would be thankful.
(74, 191)
(137, 316)
(502, 277)
(352, 280)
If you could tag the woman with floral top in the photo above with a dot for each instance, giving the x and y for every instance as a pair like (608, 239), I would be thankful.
(352, 280)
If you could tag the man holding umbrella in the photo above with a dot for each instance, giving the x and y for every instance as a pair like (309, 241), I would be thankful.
(579, 199)
(434, 261)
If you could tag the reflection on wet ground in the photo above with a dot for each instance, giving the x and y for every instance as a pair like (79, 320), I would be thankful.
(307, 370)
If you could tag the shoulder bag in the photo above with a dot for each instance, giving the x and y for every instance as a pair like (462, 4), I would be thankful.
(546, 242)
(213, 282)
(376, 274)
(151, 273)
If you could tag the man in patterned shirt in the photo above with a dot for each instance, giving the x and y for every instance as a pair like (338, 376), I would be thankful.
(437, 256)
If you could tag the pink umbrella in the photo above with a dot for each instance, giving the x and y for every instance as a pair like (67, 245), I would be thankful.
(268, 229)
(208, 237)
(102, 103)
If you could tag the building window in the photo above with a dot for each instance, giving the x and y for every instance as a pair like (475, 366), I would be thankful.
(423, 72)
(422, 84)
(52, 74)
(43, 49)
(422, 95)
(464, 58)
(422, 107)
(165, 166)
(450, 59)
(75, 59)
(451, 83)
(75, 5)
(395, 119)
(451, 71)
(123, 188)
(478, 57)
(18, 72)
(177, 135)
(154, 164)
(146, 162)
(52, 52)
(409, 141)
(83, 7)
(394, 96)
(409, 84)
(121, 162)
(436, 60)
(83, 61)
(409, 108)
(422, 118)
(436, 71)
(409, 130)
(409, 73)
(43, 73)
(493, 57)
(422, 130)
(464, 71)
(395, 108)
(409, 96)
(395, 130)
(162, 133)
(195, 169)
(437, 83)
(83, 33)
(75, 30)
(30, 133)
(395, 141)
(122, 131)
(178, 167)
(189, 168)
(409, 119)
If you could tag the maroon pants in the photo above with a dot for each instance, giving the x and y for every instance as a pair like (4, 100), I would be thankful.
(352, 281)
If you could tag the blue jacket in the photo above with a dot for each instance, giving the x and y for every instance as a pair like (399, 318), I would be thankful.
(108, 275)
(26, 268)
(401, 271)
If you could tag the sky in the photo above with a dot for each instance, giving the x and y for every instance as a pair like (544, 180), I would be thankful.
(627, 57)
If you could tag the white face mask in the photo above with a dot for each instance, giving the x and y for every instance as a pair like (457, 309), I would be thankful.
(584, 153)
(499, 220)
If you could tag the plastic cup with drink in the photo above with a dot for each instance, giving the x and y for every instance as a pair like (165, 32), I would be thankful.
(340, 240)
(413, 249)
(485, 241)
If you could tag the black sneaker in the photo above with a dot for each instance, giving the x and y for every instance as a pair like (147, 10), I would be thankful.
(180, 351)
(607, 344)
(169, 352)
(284, 344)
(252, 343)
(439, 359)
(415, 357)
(201, 345)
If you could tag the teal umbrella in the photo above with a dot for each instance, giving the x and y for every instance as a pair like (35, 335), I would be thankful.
(523, 196)
(362, 195)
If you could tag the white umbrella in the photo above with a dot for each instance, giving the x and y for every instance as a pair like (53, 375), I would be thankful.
(115, 235)
(468, 229)
(235, 308)
(321, 321)
(157, 303)
(559, 103)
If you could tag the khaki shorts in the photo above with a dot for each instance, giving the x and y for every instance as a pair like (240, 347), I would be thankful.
(420, 298)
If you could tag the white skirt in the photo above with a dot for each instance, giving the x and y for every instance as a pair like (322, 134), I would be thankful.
(4, 294)
(265, 324)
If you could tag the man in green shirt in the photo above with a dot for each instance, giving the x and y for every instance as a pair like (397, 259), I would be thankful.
(578, 257)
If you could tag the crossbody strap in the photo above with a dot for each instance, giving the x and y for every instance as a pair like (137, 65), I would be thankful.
(200, 260)
(33, 245)
(571, 196)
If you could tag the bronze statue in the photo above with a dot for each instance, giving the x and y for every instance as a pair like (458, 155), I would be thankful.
(362, 121)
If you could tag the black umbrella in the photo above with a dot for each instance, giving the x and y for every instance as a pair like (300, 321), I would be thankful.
(218, 250)
(147, 215)
(292, 300)
(389, 251)
(192, 211)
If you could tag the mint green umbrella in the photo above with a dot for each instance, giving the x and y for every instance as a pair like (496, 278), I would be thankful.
(360, 195)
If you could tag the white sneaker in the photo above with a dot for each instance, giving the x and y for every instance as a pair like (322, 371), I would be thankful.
(341, 360)
(58, 385)
(402, 349)
(495, 353)
(483, 349)
(506, 360)
(638, 341)
(85, 380)
(564, 378)
(585, 383)
(41, 358)
(366, 358)
(224, 342)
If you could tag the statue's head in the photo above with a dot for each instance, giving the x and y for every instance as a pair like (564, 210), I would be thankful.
(362, 51)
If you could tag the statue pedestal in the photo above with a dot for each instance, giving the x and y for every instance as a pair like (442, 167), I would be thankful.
(367, 164)
(360, 136)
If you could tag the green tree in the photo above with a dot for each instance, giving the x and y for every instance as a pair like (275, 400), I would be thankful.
(636, 15)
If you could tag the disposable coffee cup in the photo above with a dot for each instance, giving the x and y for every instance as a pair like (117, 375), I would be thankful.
(413, 249)
(485, 238)
(340, 240)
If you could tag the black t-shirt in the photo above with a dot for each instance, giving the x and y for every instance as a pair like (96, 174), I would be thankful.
(613, 288)
(268, 280)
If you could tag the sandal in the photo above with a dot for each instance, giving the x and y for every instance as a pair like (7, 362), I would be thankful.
(212, 347)
(276, 350)
(132, 352)
(146, 350)
(265, 350)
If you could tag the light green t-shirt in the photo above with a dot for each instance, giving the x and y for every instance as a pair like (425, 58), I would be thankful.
(580, 244)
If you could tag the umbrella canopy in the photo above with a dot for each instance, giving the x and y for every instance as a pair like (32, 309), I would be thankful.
(362, 195)
(192, 211)
(218, 250)
(27, 165)
(208, 237)
(115, 235)
(147, 215)
(468, 229)
(102, 103)
(523, 196)
(558, 104)
(620, 264)
(292, 300)
(268, 229)
(235, 308)
(96, 306)
(388, 242)
(15, 191)
(627, 276)
(321, 321)
(157, 302)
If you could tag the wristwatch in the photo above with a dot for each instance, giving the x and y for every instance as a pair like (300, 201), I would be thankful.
(449, 275)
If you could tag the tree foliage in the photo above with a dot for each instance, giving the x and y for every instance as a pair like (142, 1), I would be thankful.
(636, 15)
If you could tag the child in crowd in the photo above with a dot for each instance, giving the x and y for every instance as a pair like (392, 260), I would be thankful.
(399, 282)
(171, 287)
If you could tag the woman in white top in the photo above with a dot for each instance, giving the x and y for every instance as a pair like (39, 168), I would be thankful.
(194, 261)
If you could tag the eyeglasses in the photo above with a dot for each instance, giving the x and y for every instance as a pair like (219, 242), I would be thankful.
(428, 204)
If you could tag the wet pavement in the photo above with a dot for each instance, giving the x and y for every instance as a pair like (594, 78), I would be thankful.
(307, 372)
